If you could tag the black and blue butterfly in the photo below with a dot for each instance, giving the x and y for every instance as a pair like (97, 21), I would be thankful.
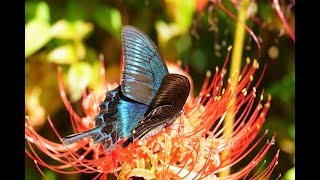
(148, 99)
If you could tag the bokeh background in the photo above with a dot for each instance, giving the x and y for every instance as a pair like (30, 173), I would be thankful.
(195, 33)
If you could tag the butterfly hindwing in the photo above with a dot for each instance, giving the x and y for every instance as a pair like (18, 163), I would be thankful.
(143, 66)
(174, 90)
(164, 109)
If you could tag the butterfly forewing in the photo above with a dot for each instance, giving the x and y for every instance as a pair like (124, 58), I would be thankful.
(143, 66)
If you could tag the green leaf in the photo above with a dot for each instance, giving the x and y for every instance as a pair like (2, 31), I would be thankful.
(80, 49)
(50, 174)
(292, 131)
(37, 34)
(30, 10)
(166, 32)
(64, 29)
(290, 174)
(65, 54)
(199, 61)
(82, 29)
(183, 44)
(284, 89)
(78, 10)
(185, 12)
(109, 19)
(43, 12)
(79, 76)
(37, 31)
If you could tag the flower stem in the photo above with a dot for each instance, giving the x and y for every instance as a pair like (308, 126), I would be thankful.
(236, 57)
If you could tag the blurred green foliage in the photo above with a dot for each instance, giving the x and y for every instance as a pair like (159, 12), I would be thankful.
(71, 34)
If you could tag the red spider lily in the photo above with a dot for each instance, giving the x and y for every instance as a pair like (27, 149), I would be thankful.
(192, 148)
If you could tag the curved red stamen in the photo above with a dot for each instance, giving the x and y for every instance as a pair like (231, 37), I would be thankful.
(283, 19)
(255, 38)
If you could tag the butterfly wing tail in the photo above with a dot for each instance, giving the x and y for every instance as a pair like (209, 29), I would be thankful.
(108, 140)
(70, 139)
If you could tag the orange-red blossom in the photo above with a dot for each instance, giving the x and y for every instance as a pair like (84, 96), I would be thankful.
(191, 148)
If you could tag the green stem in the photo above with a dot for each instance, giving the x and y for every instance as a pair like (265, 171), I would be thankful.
(236, 57)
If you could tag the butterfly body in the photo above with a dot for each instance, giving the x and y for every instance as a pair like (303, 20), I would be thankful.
(148, 99)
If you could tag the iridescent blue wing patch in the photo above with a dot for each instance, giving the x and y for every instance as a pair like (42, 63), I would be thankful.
(117, 117)
(143, 66)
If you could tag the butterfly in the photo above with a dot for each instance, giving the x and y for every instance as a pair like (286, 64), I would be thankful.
(148, 99)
